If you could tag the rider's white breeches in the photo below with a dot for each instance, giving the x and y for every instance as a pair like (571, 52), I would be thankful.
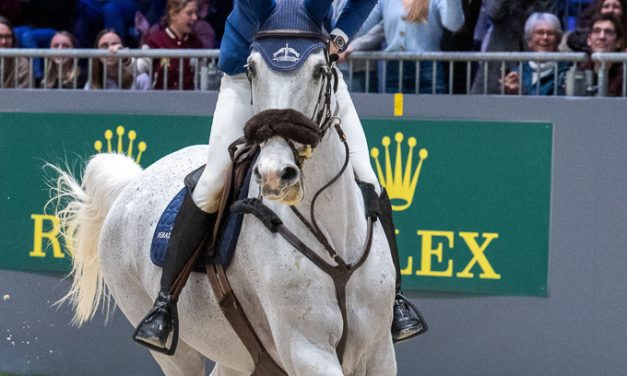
(233, 109)
(355, 136)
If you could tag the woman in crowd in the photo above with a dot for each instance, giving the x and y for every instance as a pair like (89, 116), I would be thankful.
(505, 35)
(61, 72)
(15, 72)
(415, 26)
(108, 39)
(180, 19)
(543, 32)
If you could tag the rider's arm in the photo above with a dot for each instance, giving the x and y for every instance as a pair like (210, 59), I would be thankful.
(254, 11)
(240, 27)
(350, 20)
(353, 15)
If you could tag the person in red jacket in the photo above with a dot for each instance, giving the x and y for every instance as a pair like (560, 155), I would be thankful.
(180, 18)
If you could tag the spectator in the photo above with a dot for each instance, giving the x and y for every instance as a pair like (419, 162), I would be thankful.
(462, 40)
(94, 15)
(61, 72)
(108, 39)
(507, 18)
(203, 29)
(578, 39)
(415, 26)
(16, 70)
(543, 32)
(606, 35)
(40, 20)
(181, 16)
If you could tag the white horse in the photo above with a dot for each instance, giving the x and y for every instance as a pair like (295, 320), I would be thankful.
(290, 302)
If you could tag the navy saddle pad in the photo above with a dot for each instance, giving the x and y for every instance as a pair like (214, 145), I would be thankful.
(230, 230)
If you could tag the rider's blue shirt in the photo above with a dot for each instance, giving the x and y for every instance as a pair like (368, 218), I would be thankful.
(248, 15)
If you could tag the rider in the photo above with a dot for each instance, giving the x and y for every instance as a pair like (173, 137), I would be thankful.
(233, 109)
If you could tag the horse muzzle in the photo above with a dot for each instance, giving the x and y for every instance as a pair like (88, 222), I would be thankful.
(280, 184)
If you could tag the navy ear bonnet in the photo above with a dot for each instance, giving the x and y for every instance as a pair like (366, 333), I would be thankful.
(285, 53)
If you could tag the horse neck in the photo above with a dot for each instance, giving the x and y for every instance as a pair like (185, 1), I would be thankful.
(338, 209)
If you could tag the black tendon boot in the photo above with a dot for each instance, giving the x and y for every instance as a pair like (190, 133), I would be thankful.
(407, 322)
(191, 227)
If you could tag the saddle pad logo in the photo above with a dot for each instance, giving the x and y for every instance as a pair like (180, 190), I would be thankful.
(286, 54)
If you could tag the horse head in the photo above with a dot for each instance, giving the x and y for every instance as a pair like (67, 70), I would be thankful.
(291, 74)
(291, 82)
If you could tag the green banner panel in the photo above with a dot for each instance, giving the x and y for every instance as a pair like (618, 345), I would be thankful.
(471, 199)
(29, 141)
(471, 202)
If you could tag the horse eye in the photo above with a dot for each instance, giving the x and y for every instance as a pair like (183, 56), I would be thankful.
(250, 71)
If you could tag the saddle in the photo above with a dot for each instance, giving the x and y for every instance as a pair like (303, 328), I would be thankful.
(227, 226)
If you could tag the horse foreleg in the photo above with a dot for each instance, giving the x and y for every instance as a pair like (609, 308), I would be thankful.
(220, 370)
(383, 360)
(185, 362)
(306, 358)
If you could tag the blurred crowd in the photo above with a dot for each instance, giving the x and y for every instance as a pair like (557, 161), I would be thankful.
(393, 26)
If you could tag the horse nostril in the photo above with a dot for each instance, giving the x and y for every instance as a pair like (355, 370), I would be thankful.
(289, 174)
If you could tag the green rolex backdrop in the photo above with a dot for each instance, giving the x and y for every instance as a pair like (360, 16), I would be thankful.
(471, 199)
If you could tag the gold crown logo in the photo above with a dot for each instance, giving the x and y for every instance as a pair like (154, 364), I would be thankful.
(399, 182)
(132, 135)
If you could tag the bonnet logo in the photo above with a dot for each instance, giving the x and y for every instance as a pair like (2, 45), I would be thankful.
(286, 53)
(399, 181)
(119, 131)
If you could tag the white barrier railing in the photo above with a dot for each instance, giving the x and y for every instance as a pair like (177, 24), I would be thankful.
(206, 74)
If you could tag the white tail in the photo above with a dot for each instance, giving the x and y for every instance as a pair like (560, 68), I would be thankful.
(82, 209)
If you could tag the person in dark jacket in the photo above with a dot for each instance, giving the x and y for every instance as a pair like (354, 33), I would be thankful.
(606, 35)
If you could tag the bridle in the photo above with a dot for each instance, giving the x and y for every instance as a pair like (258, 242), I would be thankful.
(322, 113)
(324, 117)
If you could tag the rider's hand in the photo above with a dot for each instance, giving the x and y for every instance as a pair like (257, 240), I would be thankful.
(342, 56)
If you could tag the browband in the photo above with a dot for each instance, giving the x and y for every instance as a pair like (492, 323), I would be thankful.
(291, 33)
